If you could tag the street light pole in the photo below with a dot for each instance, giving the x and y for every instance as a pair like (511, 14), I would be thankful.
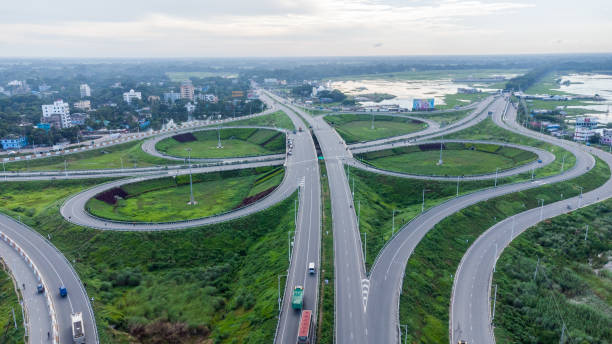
(457, 187)
(191, 200)
(563, 162)
(496, 170)
(219, 137)
(423, 203)
(580, 198)
(393, 224)
(541, 208)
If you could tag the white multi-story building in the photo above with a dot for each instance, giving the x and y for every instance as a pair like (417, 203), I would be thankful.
(606, 137)
(586, 122)
(128, 96)
(84, 105)
(59, 108)
(85, 91)
(584, 128)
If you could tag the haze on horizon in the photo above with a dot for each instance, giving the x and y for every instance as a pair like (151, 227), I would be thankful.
(240, 28)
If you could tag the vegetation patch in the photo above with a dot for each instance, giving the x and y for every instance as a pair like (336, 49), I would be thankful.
(213, 284)
(358, 127)
(236, 142)
(10, 309)
(427, 285)
(166, 199)
(573, 284)
(459, 159)
(126, 155)
(278, 119)
(327, 314)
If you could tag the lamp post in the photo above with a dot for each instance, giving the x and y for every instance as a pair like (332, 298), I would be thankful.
(496, 171)
(219, 137)
(191, 200)
(580, 198)
(541, 208)
(423, 203)
(393, 224)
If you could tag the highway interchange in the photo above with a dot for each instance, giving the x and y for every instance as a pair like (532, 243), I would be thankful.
(366, 304)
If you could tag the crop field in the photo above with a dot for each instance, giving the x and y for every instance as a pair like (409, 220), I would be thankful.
(236, 142)
(215, 284)
(125, 155)
(458, 159)
(277, 119)
(572, 284)
(356, 128)
(165, 199)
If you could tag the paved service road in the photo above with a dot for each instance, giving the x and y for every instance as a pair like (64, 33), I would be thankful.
(470, 316)
(55, 271)
(544, 156)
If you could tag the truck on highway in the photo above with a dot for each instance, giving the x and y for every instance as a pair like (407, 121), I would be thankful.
(78, 333)
(305, 329)
(297, 300)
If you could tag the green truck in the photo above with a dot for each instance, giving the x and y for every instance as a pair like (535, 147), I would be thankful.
(297, 300)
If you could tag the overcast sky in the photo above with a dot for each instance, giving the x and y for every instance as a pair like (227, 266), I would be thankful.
(217, 28)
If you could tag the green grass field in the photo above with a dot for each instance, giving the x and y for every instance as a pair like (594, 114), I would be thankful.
(458, 159)
(9, 303)
(277, 119)
(427, 285)
(213, 284)
(445, 118)
(356, 128)
(165, 199)
(236, 142)
(110, 157)
(571, 283)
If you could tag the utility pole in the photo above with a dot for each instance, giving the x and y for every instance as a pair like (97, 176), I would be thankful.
(580, 198)
(532, 172)
(372, 126)
(457, 187)
(191, 200)
(587, 233)
(496, 170)
(423, 204)
(494, 302)
(393, 224)
(512, 233)
(535, 274)
(541, 208)
(219, 137)
(441, 144)
(563, 162)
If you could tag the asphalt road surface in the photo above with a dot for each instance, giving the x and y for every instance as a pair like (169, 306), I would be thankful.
(470, 316)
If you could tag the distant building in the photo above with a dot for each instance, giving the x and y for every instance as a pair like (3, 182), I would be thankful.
(210, 98)
(187, 90)
(171, 97)
(79, 118)
(270, 81)
(586, 122)
(59, 111)
(190, 107)
(237, 94)
(606, 137)
(583, 134)
(131, 95)
(153, 99)
(468, 90)
(85, 91)
(14, 142)
(84, 105)
(43, 88)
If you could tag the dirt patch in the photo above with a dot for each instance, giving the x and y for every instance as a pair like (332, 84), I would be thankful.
(161, 332)
(110, 196)
(187, 137)
(255, 198)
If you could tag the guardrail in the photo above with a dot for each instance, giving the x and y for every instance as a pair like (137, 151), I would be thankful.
(54, 325)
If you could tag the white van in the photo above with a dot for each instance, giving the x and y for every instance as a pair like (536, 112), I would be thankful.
(311, 268)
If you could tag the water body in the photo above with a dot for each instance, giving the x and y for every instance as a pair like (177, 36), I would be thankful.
(589, 85)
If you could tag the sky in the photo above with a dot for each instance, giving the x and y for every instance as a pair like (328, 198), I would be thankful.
(241, 28)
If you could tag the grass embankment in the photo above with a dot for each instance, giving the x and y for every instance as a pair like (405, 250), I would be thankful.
(326, 319)
(165, 199)
(9, 306)
(354, 128)
(215, 284)
(376, 196)
(487, 130)
(103, 158)
(444, 118)
(573, 286)
(460, 99)
(427, 285)
(459, 159)
(277, 119)
(236, 142)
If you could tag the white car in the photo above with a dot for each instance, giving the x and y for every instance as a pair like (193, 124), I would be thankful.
(311, 268)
